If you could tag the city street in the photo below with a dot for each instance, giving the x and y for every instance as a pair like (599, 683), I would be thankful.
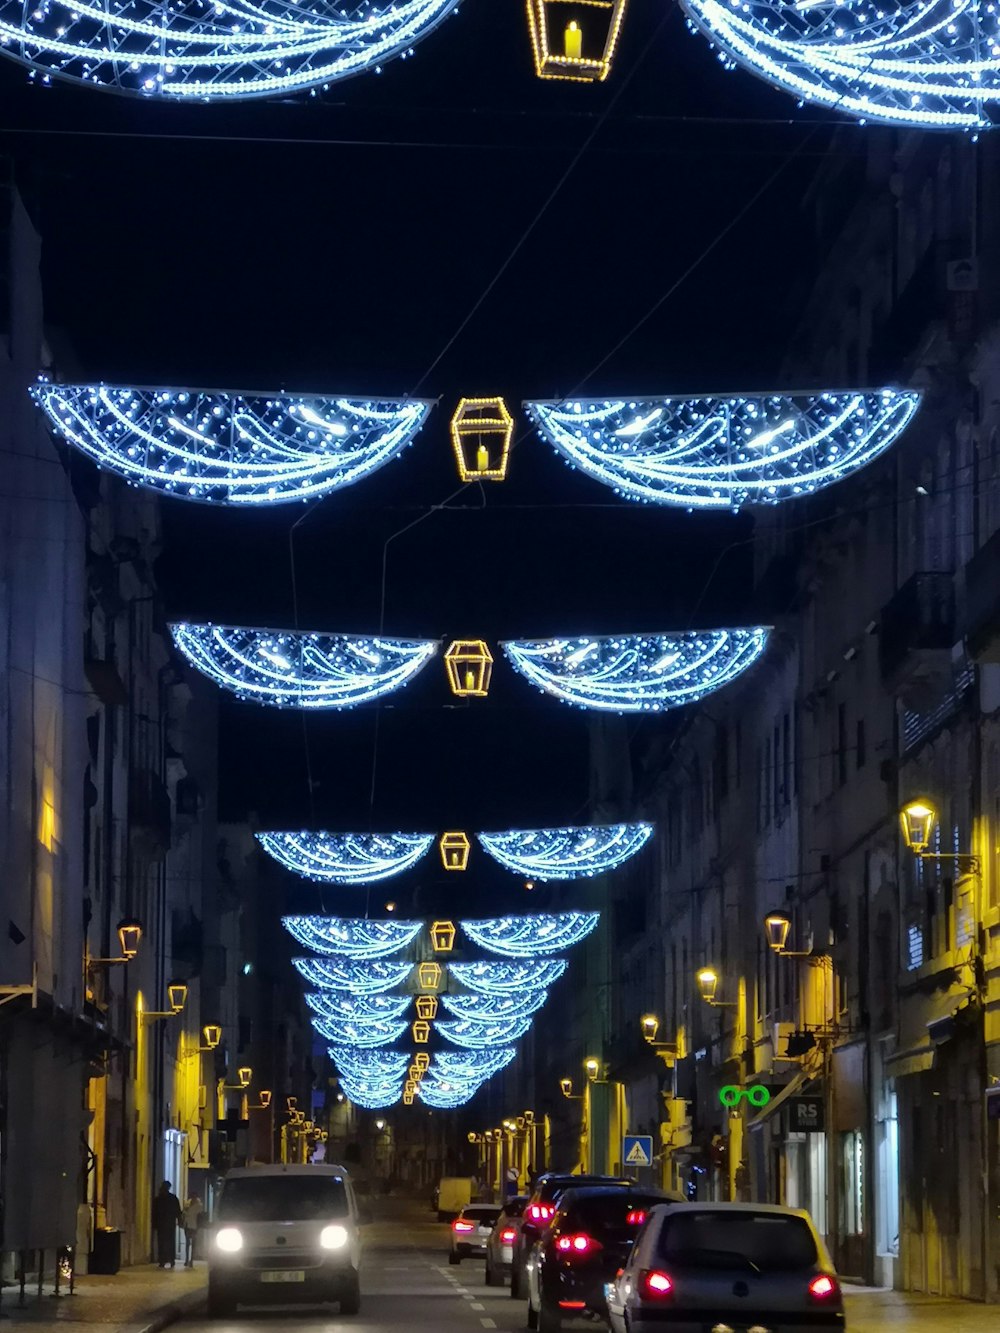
(408, 1284)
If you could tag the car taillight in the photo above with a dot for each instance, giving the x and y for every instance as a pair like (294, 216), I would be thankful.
(540, 1212)
(823, 1288)
(461, 1225)
(654, 1284)
(635, 1217)
(508, 1236)
(577, 1246)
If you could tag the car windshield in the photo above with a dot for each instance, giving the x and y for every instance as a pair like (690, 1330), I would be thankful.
(761, 1242)
(611, 1216)
(484, 1216)
(292, 1198)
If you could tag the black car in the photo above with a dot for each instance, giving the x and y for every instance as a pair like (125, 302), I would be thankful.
(587, 1243)
(540, 1210)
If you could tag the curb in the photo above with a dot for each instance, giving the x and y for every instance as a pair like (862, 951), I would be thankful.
(174, 1311)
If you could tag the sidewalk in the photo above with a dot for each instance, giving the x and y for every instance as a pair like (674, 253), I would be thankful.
(872, 1310)
(140, 1299)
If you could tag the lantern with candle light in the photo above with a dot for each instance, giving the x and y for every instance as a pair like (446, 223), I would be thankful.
(421, 1032)
(469, 664)
(427, 1006)
(443, 936)
(454, 848)
(481, 431)
(575, 39)
(422, 1060)
(430, 976)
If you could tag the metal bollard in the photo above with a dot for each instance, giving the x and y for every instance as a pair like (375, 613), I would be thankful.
(23, 1275)
(41, 1270)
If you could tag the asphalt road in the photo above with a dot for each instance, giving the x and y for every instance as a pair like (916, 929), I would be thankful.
(408, 1286)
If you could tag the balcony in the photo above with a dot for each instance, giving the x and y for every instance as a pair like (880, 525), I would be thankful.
(982, 602)
(916, 636)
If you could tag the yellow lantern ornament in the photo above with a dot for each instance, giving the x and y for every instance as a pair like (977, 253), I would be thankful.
(454, 848)
(421, 1032)
(427, 1006)
(416, 1073)
(407, 1098)
(481, 431)
(443, 936)
(469, 664)
(575, 39)
(421, 1060)
(430, 975)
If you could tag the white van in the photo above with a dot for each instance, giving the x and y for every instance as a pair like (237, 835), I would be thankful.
(284, 1234)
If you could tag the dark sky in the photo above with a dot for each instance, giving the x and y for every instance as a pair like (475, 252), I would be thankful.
(336, 244)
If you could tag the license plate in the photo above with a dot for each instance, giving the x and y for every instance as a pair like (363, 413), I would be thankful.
(284, 1275)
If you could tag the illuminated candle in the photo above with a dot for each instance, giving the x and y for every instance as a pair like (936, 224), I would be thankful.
(574, 42)
(482, 458)
(470, 679)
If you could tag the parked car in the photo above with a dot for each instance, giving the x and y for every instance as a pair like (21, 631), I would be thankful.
(538, 1213)
(470, 1231)
(586, 1244)
(700, 1265)
(503, 1237)
(284, 1234)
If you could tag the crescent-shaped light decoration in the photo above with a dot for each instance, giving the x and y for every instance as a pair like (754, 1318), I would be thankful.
(928, 64)
(490, 978)
(228, 51)
(344, 937)
(486, 1008)
(442, 1097)
(529, 936)
(347, 858)
(230, 448)
(637, 673)
(566, 853)
(472, 1065)
(379, 1066)
(371, 1098)
(370, 1032)
(338, 974)
(300, 669)
(356, 1008)
(479, 1036)
(724, 453)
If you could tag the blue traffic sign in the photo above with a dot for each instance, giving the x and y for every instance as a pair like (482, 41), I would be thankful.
(637, 1150)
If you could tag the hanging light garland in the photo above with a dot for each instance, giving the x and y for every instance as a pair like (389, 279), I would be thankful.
(566, 853)
(292, 669)
(227, 448)
(444, 1096)
(348, 1008)
(724, 453)
(928, 64)
(637, 673)
(478, 1036)
(373, 1064)
(478, 1008)
(491, 978)
(371, 977)
(371, 1032)
(459, 1066)
(351, 938)
(528, 936)
(347, 858)
(232, 50)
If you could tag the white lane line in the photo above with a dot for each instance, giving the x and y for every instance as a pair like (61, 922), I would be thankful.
(476, 1306)
(488, 1323)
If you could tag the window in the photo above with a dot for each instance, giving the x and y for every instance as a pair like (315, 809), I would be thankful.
(853, 1198)
(772, 1242)
(292, 1198)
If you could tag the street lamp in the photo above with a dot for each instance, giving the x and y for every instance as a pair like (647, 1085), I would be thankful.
(776, 928)
(177, 993)
(917, 820)
(708, 984)
(129, 935)
(666, 1050)
(566, 1087)
(380, 1125)
(244, 1075)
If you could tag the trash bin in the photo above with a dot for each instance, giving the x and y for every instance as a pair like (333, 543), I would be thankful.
(106, 1256)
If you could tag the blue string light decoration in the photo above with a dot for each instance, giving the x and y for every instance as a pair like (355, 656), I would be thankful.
(472, 1066)
(445, 1096)
(529, 936)
(356, 1008)
(344, 937)
(293, 669)
(368, 978)
(371, 1064)
(566, 853)
(229, 51)
(490, 978)
(370, 1032)
(229, 448)
(347, 858)
(486, 1008)
(478, 1036)
(930, 64)
(371, 1096)
(637, 673)
(724, 453)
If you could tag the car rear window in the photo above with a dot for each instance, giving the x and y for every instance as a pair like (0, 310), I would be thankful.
(281, 1199)
(551, 1189)
(515, 1208)
(611, 1214)
(481, 1214)
(771, 1242)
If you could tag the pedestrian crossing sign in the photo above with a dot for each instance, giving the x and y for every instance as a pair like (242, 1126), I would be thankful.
(637, 1150)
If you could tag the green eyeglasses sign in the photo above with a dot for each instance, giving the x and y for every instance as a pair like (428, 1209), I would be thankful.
(756, 1096)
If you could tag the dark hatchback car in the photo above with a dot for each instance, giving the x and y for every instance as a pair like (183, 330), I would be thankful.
(587, 1244)
(539, 1212)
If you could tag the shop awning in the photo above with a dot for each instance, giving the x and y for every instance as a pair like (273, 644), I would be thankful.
(791, 1089)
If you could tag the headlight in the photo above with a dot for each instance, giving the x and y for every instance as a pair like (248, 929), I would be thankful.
(229, 1240)
(333, 1238)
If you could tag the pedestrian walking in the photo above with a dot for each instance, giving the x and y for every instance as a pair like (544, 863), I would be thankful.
(192, 1213)
(167, 1218)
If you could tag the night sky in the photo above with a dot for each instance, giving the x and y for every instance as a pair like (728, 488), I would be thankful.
(336, 244)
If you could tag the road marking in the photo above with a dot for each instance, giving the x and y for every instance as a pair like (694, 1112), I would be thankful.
(476, 1306)
(488, 1323)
